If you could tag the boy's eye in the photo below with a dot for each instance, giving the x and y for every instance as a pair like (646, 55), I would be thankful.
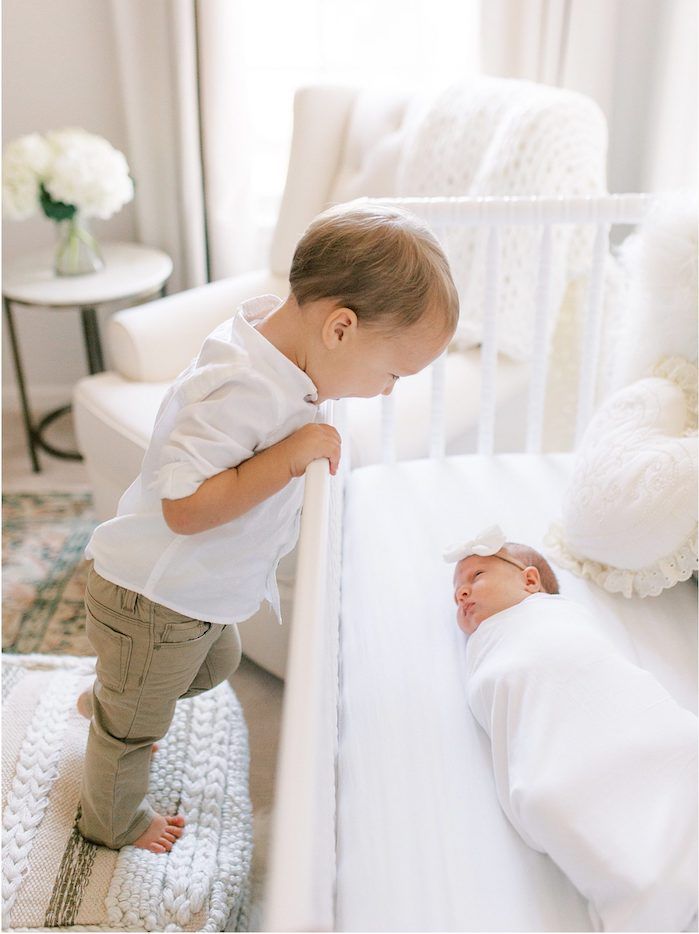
(477, 573)
(393, 376)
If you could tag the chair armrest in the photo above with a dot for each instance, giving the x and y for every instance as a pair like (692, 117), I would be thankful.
(155, 341)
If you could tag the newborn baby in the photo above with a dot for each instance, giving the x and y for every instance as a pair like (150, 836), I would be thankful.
(493, 575)
(594, 761)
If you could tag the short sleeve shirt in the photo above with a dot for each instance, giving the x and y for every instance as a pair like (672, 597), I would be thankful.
(238, 397)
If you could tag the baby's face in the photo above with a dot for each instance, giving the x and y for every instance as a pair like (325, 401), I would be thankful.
(484, 586)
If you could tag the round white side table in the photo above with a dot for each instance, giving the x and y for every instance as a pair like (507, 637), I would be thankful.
(132, 273)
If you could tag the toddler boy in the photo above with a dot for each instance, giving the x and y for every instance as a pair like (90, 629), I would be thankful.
(198, 536)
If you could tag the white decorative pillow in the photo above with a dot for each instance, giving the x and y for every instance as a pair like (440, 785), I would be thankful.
(53, 878)
(630, 514)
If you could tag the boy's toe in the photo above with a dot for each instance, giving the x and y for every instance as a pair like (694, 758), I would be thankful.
(177, 820)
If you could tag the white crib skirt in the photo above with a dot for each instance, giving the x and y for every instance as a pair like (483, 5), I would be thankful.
(422, 842)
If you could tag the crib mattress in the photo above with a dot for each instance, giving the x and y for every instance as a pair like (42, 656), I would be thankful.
(422, 843)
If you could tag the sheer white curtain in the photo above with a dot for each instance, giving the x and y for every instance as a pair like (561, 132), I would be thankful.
(636, 58)
(228, 151)
(157, 53)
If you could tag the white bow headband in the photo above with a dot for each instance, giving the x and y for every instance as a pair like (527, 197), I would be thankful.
(487, 542)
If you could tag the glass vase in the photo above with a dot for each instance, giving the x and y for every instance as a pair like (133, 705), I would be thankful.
(77, 251)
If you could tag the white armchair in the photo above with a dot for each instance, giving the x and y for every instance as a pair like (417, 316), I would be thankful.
(346, 144)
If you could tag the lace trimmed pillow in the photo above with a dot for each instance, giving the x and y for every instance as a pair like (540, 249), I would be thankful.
(629, 519)
(52, 878)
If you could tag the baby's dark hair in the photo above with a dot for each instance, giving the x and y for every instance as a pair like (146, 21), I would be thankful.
(529, 556)
(383, 263)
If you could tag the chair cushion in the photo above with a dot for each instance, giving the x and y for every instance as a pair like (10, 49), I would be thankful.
(375, 134)
(113, 420)
(53, 877)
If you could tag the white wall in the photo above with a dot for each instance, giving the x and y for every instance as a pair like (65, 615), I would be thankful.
(59, 69)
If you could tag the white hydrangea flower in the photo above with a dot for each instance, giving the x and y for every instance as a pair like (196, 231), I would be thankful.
(20, 188)
(88, 172)
(32, 151)
(25, 162)
(75, 167)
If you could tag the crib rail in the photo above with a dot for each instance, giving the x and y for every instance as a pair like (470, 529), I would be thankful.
(501, 211)
(300, 888)
(492, 214)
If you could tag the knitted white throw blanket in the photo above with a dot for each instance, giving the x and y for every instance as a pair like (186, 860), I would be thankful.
(54, 878)
(494, 136)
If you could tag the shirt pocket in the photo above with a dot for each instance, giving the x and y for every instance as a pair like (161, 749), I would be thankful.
(113, 650)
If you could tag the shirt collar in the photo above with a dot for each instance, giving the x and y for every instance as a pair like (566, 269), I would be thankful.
(250, 313)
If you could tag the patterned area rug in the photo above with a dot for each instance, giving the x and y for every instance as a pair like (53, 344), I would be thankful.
(44, 572)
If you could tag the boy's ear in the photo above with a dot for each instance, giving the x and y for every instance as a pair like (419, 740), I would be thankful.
(532, 579)
(337, 326)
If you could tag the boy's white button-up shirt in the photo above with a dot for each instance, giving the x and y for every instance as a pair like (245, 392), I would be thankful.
(238, 397)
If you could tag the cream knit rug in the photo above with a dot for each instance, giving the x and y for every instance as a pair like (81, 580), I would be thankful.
(53, 878)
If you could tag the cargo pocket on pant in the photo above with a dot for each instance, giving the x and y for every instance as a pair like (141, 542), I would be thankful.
(113, 650)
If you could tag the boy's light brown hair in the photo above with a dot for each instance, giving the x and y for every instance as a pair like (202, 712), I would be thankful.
(383, 263)
(531, 557)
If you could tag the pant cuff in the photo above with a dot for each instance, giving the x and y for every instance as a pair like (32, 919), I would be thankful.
(142, 823)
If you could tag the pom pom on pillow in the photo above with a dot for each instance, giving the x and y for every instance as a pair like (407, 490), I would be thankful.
(629, 518)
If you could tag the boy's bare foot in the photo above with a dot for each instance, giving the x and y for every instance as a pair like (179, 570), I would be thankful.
(162, 833)
(84, 705)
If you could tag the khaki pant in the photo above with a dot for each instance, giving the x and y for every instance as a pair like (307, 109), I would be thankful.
(147, 658)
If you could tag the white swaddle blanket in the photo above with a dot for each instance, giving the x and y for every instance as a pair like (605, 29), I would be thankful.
(595, 763)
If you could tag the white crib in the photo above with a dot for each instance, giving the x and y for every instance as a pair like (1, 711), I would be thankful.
(321, 847)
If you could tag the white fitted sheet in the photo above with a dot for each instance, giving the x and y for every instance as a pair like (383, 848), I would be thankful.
(422, 842)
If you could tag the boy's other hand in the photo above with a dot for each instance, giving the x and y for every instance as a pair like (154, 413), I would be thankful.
(310, 443)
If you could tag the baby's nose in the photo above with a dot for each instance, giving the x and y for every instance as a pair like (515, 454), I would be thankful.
(462, 594)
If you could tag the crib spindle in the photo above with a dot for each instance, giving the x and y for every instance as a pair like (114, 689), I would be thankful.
(494, 213)
(489, 347)
(591, 333)
(537, 386)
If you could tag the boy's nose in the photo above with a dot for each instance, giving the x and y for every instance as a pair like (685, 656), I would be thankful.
(389, 389)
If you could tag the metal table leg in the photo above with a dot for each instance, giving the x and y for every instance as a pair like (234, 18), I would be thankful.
(95, 361)
(26, 415)
(92, 340)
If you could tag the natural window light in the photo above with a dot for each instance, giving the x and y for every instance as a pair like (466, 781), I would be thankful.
(392, 43)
